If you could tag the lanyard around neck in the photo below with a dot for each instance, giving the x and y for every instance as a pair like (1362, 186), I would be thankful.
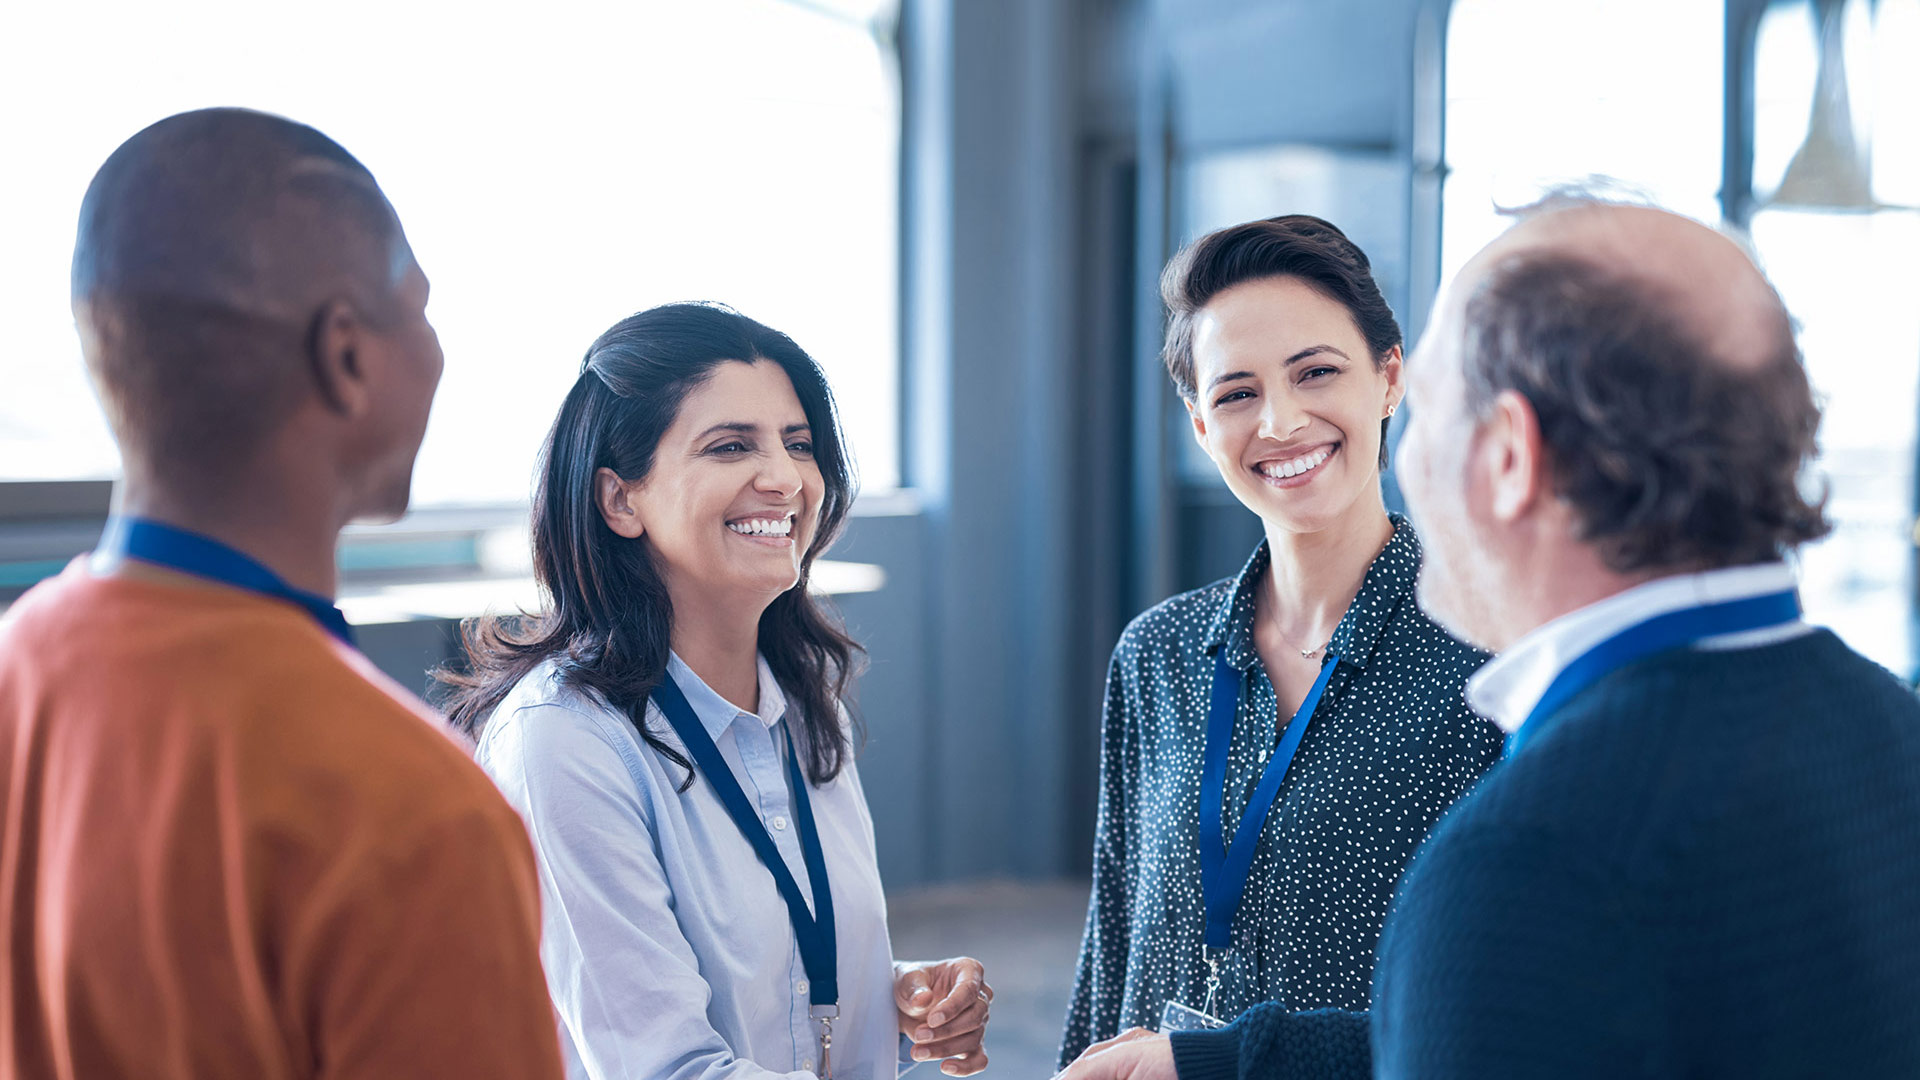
(204, 557)
(1223, 867)
(813, 931)
(1662, 633)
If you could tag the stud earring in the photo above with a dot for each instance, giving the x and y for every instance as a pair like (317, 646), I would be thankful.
(1390, 409)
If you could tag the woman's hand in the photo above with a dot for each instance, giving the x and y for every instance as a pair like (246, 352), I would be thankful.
(943, 1007)
(1134, 1055)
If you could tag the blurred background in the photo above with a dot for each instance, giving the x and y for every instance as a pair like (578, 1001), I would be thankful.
(961, 208)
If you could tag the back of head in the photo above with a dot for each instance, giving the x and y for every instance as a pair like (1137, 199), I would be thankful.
(1664, 373)
(207, 245)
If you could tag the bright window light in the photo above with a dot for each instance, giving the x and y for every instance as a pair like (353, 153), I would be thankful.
(1549, 92)
(1852, 283)
(557, 167)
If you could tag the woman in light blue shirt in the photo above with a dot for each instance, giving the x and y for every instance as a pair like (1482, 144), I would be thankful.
(671, 729)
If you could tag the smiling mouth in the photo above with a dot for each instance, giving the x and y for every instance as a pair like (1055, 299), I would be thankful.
(762, 527)
(1296, 467)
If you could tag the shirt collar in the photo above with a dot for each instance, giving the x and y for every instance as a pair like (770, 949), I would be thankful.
(1512, 683)
(1389, 582)
(717, 713)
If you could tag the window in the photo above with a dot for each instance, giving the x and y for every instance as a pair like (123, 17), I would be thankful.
(1852, 283)
(557, 168)
(1545, 92)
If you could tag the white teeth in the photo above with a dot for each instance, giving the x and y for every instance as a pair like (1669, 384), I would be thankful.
(1281, 470)
(762, 527)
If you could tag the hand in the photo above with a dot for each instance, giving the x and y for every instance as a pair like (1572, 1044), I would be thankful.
(943, 1007)
(1135, 1055)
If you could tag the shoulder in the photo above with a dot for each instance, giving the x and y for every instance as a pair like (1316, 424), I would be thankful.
(544, 729)
(1177, 625)
(337, 720)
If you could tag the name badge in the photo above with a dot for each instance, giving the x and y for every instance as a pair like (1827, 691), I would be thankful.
(1177, 1017)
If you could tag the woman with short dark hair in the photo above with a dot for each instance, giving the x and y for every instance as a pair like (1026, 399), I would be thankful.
(671, 727)
(1277, 744)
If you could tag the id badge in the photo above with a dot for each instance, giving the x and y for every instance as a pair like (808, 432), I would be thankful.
(1177, 1017)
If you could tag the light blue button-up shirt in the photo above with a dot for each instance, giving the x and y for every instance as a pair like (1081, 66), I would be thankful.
(667, 947)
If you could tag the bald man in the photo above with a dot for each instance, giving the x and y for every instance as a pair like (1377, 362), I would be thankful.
(1702, 854)
(229, 847)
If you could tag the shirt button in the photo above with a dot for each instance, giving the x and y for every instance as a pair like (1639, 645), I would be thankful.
(800, 987)
(779, 823)
(807, 1064)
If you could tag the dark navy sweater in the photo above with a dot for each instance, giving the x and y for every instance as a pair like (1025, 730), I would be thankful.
(1706, 865)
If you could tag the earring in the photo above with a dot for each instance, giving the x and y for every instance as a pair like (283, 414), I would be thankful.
(1390, 409)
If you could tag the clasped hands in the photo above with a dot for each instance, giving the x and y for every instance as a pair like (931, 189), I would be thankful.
(943, 1007)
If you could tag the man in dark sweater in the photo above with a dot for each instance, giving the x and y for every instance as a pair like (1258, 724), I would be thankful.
(1702, 855)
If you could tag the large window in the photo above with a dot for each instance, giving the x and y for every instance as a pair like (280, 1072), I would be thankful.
(1547, 92)
(557, 166)
(1851, 279)
(1544, 92)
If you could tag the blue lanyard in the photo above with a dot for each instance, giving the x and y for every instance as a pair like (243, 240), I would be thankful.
(1662, 633)
(814, 930)
(1224, 868)
(205, 557)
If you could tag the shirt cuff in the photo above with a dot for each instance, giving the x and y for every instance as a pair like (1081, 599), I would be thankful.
(1207, 1055)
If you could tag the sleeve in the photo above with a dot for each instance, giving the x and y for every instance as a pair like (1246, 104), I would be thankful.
(1269, 1043)
(625, 981)
(1514, 954)
(424, 960)
(1100, 979)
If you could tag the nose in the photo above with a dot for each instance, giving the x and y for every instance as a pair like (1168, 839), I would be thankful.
(1281, 416)
(778, 475)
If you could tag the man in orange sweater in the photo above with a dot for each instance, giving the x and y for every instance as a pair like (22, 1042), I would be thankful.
(229, 847)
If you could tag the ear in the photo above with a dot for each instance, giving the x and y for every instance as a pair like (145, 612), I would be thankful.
(1199, 423)
(337, 352)
(1513, 456)
(610, 493)
(1395, 370)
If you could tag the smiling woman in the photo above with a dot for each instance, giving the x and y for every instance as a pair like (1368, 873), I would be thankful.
(1245, 856)
(671, 727)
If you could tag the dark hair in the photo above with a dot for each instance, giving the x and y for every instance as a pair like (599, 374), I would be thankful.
(609, 619)
(1296, 245)
(1670, 457)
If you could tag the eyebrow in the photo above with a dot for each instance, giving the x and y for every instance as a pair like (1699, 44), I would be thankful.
(1309, 351)
(741, 427)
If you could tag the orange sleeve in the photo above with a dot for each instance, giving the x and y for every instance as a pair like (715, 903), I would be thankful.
(428, 963)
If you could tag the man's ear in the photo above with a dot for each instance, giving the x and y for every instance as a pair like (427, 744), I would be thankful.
(610, 493)
(337, 352)
(1513, 457)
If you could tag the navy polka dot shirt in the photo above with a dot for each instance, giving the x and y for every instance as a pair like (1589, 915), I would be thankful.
(1388, 750)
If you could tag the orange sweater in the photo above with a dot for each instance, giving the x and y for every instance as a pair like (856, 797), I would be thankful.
(230, 847)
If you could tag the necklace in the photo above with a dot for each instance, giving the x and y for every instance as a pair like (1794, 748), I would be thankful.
(1306, 654)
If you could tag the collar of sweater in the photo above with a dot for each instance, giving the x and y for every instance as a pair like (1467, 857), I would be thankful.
(1509, 686)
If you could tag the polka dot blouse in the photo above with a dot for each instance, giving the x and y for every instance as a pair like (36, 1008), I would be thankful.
(1390, 747)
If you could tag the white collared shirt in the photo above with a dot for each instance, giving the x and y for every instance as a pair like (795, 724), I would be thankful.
(1506, 690)
(667, 947)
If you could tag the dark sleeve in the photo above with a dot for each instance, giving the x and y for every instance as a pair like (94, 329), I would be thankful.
(1269, 1043)
(1514, 954)
(1100, 981)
